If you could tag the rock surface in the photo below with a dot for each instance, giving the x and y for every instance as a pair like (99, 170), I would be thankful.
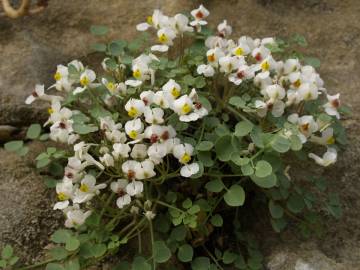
(31, 47)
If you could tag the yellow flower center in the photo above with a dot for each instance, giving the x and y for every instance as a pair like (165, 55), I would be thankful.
(50, 110)
(84, 188)
(57, 76)
(185, 158)
(84, 81)
(149, 20)
(175, 92)
(137, 74)
(163, 38)
(185, 109)
(265, 66)
(239, 51)
(110, 86)
(297, 83)
(133, 134)
(62, 196)
(133, 112)
(211, 57)
(330, 140)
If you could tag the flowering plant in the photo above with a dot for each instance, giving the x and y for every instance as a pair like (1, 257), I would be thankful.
(168, 146)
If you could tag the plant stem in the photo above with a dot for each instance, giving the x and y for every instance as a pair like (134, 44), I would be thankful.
(152, 243)
(36, 265)
(169, 206)
(212, 257)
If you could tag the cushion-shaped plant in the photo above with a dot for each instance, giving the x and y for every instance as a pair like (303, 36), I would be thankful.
(182, 142)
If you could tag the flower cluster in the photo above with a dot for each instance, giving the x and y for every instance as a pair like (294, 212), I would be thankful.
(222, 109)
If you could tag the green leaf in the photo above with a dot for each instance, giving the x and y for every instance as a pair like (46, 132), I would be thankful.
(200, 263)
(312, 61)
(243, 128)
(115, 49)
(54, 266)
(229, 257)
(161, 252)
(276, 210)
(58, 253)
(263, 168)
(280, 144)
(204, 146)
(13, 260)
(98, 47)
(2, 263)
(278, 224)
(98, 250)
(42, 163)
(217, 220)
(178, 233)
(7, 252)
(22, 151)
(185, 253)
(247, 170)
(256, 136)
(122, 266)
(82, 129)
(33, 131)
(295, 203)
(187, 203)
(72, 244)
(194, 209)
(72, 264)
(265, 182)
(237, 101)
(215, 185)
(223, 148)
(13, 145)
(60, 236)
(99, 30)
(140, 263)
(295, 143)
(235, 196)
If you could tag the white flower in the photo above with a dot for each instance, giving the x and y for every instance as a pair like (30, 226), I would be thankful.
(162, 99)
(166, 36)
(87, 190)
(189, 170)
(146, 170)
(180, 24)
(61, 130)
(159, 48)
(114, 88)
(76, 217)
(224, 29)
(119, 187)
(230, 63)
(291, 65)
(135, 107)
(133, 83)
(156, 152)
(260, 53)
(213, 56)
(58, 114)
(306, 124)
(39, 93)
(134, 128)
(107, 123)
(331, 107)
(183, 152)
(121, 150)
(327, 137)
(276, 107)
(87, 77)
(65, 192)
(116, 136)
(154, 116)
(172, 88)
(150, 215)
(134, 188)
(243, 72)
(81, 152)
(107, 160)
(199, 15)
(275, 92)
(308, 91)
(328, 158)
(183, 105)
(147, 97)
(73, 170)
(131, 169)
(139, 151)
(206, 70)
(61, 77)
